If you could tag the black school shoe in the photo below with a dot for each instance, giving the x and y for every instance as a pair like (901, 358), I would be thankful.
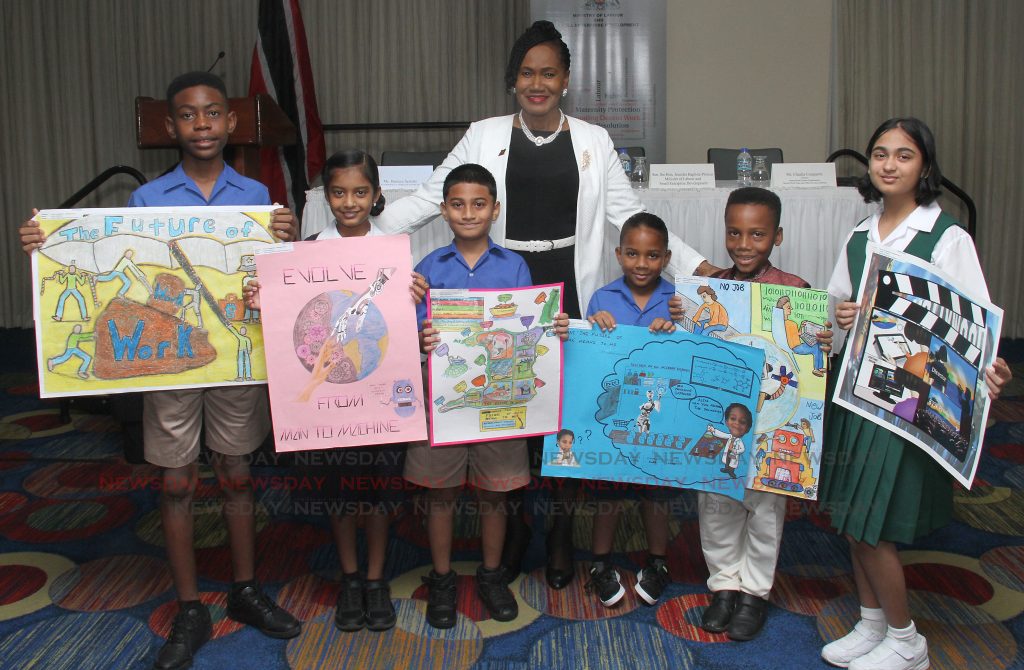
(249, 605)
(380, 611)
(606, 583)
(350, 610)
(652, 580)
(748, 619)
(442, 597)
(719, 613)
(493, 591)
(191, 629)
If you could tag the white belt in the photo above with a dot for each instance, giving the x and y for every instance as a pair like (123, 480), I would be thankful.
(539, 245)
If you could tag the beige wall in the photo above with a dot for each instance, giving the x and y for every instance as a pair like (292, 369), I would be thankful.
(782, 71)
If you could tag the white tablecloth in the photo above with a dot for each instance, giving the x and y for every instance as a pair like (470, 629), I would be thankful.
(815, 223)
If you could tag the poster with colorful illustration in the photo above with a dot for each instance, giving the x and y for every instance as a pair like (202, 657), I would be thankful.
(343, 356)
(496, 372)
(147, 298)
(915, 359)
(656, 409)
(783, 321)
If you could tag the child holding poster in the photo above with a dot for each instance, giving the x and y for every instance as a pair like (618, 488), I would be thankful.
(472, 260)
(361, 482)
(740, 539)
(234, 419)
(880, 489)
(639, 298)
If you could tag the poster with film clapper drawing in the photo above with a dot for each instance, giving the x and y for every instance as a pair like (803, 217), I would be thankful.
(496, 372)
(782, 321)
(915, 359)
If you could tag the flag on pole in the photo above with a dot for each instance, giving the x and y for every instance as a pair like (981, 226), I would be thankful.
(280, 68)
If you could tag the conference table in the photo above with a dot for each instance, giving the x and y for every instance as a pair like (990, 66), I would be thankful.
(815, 224)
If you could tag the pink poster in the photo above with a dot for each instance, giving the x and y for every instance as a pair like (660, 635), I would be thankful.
(339, 327)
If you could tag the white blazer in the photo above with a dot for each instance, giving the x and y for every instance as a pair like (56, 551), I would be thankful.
(605, 195)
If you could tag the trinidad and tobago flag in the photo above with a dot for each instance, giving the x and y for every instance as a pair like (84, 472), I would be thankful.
(280, 68)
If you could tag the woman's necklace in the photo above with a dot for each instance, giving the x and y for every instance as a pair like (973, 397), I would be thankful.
(541, 141)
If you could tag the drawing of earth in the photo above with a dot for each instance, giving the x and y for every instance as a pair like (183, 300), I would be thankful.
(354, 358)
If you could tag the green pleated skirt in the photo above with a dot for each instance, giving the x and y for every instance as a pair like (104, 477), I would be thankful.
(877, 486)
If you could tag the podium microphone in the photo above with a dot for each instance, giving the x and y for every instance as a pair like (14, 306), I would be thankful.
(219, 57)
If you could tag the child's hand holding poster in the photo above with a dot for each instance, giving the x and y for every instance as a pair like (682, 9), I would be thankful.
(342, 350)
(495, 373)
(783, 321)
(916, 357)
(659, 409)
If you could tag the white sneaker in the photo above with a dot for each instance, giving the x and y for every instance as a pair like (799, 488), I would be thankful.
(893, 654)
(854, 644)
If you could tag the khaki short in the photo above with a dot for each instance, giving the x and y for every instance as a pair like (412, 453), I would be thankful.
(237, 421)
(491, 466)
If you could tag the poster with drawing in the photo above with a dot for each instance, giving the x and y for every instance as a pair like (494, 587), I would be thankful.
(496, 372)
(147, 298)
(783, 321)
(656, 409)
(343, 358)
(915, 359)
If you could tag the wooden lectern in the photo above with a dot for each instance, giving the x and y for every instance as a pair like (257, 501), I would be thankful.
(261, 124)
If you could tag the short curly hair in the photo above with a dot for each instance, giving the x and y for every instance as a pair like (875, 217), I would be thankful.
(539, 33)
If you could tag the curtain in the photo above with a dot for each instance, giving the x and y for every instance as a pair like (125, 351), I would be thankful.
(71, 71)
(953, 64)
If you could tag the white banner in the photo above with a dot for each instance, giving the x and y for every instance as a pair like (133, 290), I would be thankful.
(618, 66)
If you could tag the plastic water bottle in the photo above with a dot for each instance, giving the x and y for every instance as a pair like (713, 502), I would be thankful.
(744, 164)
(626, 162)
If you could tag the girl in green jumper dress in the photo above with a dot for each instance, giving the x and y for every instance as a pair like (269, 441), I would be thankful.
(880, 489)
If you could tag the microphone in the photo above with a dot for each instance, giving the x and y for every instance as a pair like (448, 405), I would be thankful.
(219, 57)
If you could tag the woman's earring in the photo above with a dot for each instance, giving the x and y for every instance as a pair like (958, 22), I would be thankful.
(565, 92)
(512, 90)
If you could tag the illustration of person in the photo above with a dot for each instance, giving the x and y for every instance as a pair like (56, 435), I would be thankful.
(121, 271)
(565, 457)
(194, 304)
(808, 431)
(73, 350)
(771, 388)
(797, 345)
(738, 420)
(966, 413)
(715, 319)
(244, 361)
(248, 266)
(643, 421)
(72, 278)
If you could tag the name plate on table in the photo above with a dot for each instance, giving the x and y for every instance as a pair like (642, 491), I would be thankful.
(683, 177)
(803, 175)
(404, 177)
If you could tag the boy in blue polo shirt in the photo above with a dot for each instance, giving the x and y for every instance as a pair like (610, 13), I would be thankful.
(639, 298)
(236, 417)
(472, 260)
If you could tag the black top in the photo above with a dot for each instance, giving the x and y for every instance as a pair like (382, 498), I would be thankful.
(541, 187)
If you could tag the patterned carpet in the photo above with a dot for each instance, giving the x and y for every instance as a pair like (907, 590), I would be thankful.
(84, 582)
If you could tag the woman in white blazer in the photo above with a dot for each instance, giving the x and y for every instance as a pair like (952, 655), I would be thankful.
(559, 184)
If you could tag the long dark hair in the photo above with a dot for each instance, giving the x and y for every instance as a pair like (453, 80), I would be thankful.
(929, 187)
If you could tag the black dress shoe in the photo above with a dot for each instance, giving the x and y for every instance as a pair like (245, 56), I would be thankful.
(249, 605)
(559, 546)
(718, 614)
(191, 629)
(748, 619)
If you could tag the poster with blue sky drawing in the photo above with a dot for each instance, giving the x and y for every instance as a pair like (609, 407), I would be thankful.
(496, 372)
(658, 409)
(916, 356)
(783, 321)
